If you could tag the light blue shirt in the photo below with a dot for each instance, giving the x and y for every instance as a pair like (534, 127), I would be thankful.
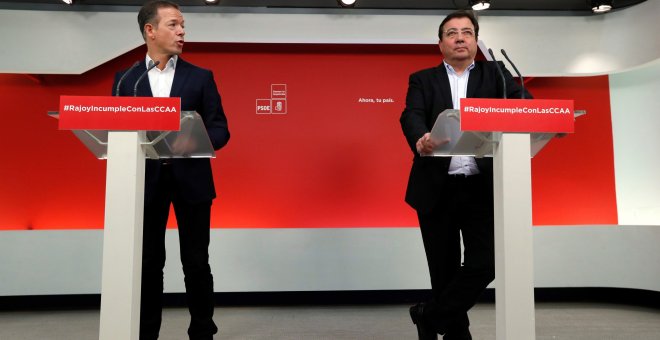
(161, 80)
(460, 165)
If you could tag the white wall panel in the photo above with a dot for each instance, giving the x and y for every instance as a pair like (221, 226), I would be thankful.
(73, 42)
(262, 260)
(43, 42)
(635, 102)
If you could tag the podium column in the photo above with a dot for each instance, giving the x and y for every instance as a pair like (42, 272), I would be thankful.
(514, 265)
(122, 237)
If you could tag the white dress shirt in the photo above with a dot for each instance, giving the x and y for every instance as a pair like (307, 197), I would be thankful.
(161, 80)
(460, 165)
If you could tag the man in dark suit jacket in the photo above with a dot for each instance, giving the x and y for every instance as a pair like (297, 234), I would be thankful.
(187, 184)
(453, 196)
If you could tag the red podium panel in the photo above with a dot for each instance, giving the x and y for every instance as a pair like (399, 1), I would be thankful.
(119, 113)
(517, 115)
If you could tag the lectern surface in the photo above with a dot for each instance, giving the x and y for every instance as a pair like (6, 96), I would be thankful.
(191, 141)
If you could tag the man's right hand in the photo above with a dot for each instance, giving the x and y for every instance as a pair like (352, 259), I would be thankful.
(425, 144)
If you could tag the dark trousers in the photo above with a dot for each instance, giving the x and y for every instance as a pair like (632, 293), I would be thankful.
(466, 209)
(194, 228)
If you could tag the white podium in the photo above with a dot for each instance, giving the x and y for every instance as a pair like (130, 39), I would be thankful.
(125, 152)
(514, 254)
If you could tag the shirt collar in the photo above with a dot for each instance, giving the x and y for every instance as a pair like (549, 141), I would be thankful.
(451, 68)
(170, 63)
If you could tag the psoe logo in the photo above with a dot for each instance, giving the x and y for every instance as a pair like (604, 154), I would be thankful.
(263, 106)
(277, 102)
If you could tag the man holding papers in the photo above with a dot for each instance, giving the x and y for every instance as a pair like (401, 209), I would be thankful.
(453, 196)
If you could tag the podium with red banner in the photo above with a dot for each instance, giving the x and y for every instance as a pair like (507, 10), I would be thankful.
(126, 131)
(511, 131)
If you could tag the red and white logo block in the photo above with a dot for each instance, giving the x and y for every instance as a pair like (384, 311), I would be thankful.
(277, 102)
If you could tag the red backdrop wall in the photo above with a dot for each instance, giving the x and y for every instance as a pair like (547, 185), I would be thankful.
(333, 160)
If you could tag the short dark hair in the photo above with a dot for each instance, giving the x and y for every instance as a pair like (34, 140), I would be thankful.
(149, 13)
(460, 14)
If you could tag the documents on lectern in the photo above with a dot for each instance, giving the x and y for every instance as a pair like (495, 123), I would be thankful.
(448, 127)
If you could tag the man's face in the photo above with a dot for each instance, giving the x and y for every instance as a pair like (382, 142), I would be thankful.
(459, 41)
(167, 36)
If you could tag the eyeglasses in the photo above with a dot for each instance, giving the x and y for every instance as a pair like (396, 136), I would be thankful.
(453, 33)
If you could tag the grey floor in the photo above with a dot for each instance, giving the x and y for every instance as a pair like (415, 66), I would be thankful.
(577, 321)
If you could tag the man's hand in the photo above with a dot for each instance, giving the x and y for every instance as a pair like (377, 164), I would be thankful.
(426, 144)
(183, 145)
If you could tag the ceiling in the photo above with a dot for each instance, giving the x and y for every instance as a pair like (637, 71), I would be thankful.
(578, 6)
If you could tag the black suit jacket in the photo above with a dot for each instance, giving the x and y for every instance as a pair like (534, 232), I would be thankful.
(428, 95)
(198, 92)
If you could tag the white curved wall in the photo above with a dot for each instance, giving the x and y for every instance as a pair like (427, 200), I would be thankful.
(635, 107)
(65, 42)
(270, 260)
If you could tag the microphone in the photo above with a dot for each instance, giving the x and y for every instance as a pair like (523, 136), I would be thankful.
(124, 76)
(499, 69)
(137, 82)
(522, 81)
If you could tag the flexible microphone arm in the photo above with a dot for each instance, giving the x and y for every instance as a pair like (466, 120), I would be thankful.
(137, 82)
(124, 76)
(522, 81)
(499, 69)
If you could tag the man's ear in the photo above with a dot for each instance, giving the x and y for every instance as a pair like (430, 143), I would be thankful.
(149, 31)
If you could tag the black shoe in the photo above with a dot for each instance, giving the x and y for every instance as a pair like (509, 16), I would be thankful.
(424, 330)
